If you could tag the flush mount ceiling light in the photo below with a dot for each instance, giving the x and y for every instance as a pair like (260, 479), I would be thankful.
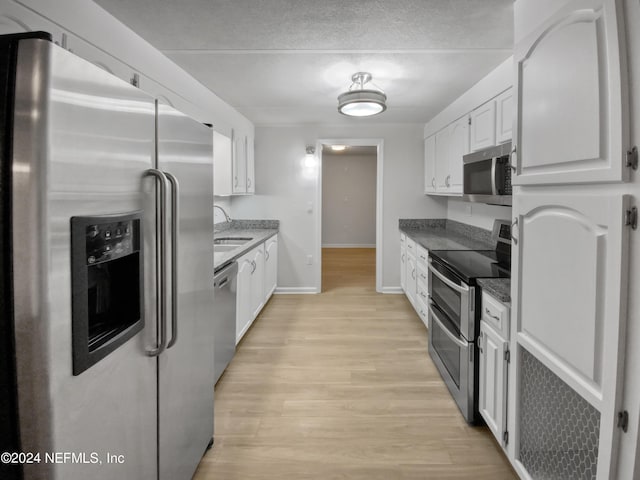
(360, 101)
(338, 148)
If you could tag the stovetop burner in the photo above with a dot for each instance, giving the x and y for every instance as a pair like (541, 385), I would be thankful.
(471, 264)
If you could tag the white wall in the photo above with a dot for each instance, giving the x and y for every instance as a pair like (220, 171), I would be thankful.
(477, 214)
(97, 36)
(348, 200)
(286, 190)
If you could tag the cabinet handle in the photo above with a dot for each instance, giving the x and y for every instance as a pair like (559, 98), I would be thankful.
(248, 182)
(423, 276)
(446, 181)
(413, 273)
(423, 295)
(514, 225)
(423, 258)
(266, 255)
(236, 181)
(488, 312)
(253, 264)
(402, 257)
(480, 338)
(433, 182)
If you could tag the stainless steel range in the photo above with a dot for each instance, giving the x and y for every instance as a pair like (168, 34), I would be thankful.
(454, 313)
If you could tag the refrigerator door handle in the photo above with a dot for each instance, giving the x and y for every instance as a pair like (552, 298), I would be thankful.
(161, 179)
(175, 209)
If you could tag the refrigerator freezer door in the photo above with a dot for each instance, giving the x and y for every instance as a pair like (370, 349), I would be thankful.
(82, 141)
(186, 376)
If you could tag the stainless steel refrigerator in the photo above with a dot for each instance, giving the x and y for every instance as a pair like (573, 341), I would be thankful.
(106, 354)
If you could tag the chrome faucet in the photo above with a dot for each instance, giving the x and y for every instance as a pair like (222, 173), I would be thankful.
(226, 216)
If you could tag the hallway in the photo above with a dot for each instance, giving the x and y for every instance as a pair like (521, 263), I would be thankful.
(340, 386)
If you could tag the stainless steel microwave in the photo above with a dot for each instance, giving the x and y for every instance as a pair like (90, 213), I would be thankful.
(487, 175)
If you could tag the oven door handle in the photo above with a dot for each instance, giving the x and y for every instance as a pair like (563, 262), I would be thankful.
(451, 336)
(448, 282)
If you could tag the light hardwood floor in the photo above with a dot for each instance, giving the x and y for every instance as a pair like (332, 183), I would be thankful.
(340, 386)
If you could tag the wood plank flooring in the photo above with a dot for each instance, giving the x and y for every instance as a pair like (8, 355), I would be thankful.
(340, 386)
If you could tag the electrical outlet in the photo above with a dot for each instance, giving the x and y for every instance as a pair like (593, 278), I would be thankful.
(309, 259)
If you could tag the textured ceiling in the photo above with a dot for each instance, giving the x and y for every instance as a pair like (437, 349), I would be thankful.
(285, 61)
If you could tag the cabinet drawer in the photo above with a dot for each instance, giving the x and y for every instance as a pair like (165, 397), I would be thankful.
(421, 310)
(423, 274)
(422, 255)
(411, 246)
(423, 292)
(496, 314)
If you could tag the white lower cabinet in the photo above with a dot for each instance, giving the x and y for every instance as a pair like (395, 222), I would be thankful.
(492, 401)
(257, 278)
(403, 262)
(270, 267)
(411, 279)
(414, 278)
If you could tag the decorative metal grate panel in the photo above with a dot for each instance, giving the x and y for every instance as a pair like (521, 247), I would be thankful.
(559, 430)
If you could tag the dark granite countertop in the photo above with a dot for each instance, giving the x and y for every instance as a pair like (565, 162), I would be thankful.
(499, 288)
(257, 230)
(442, 234)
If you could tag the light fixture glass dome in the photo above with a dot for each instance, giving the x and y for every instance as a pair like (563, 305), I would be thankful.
(360, 101)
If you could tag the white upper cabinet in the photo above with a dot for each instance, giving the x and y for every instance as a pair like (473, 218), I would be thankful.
(483, 126)
(251, 169)
(442, 160)
(571, 126)
(458, 147)
(430, 164)
(233, 164)
(570, 272)
(222, 170)
(504, 116)
(239, 163)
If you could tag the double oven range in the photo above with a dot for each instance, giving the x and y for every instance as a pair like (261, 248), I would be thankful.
(455, 312)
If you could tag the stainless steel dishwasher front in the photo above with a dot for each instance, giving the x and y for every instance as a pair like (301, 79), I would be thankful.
(224, 317)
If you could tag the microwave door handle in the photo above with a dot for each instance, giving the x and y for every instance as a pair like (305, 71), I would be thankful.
(494, 161)
(449, 283)
(447, 332)
(175, 212)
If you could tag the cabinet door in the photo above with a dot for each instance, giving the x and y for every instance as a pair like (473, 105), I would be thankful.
(251, 168)
(442, 160)
(239, 163)
(430, 164)
(403, 263)
(504, 116)
(411, 279)
(483, 126)
(257, 281)
(270, 267)
(458, 147)
(570, 273)
(570, 126)
(222, 168)
(492, 401)
(243, 296)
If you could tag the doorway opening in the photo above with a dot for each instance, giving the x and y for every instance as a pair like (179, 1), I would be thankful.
(350, 224)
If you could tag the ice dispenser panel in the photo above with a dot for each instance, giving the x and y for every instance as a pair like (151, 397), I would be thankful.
(107, 285)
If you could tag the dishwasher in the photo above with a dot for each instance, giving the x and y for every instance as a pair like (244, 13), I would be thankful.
(224, 318)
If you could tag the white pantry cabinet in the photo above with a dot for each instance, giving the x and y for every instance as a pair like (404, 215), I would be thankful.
(569, 267)
(482, 124)
(270, 266)
(571, 126)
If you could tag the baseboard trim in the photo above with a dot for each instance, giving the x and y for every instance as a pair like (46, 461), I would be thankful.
(349, 245)
(295, 290)
(392, 290)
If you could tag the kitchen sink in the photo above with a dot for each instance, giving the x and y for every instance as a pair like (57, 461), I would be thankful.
(235, 241)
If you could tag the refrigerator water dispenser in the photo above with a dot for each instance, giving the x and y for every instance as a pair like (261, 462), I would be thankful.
(107, 285)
